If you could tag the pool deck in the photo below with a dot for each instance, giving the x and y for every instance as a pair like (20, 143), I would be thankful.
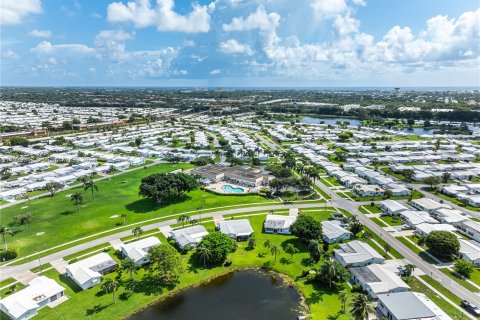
(217, 187)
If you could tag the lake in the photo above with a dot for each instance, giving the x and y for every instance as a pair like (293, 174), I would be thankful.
(237, 295)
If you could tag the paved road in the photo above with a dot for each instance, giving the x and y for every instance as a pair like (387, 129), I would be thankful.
(8, 271)
(267, 142)
(427, 268)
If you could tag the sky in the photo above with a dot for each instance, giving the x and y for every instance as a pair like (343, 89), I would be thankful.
(240, 43)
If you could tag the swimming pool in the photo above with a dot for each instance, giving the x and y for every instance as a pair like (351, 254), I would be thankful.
(229, 189)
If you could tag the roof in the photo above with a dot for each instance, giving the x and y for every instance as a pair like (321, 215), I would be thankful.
(426, 228)
(471, 224)
(393, 205)
(137, 250)
(333, 229)
(429, 204)
(380, 278)
(406, 305)
(236, 227)
(417, 217)
(38, 290)
(86, 269)
(275, 221)
(357, 251)
(189, 235)
(470, 249)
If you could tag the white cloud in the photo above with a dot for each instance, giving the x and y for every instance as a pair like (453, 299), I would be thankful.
(215, 71)
(110, 44)
(257, 20)
(325, 9)
(40, 33)
(13, 11)
(232, 46)
(46, 47)
(9, 54)
(360, 3)
(142, 14)
(96, 15)
(344, 25)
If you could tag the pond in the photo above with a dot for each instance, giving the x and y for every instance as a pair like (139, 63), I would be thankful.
(236, 295)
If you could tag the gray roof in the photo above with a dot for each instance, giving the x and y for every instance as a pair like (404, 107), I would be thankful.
(405, 305)
(235, 227)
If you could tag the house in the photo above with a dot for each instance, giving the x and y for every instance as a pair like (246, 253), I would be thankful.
(357, 254)
(473, 200)
(470, 251)
(392, 207)
(428, 205)
(368, 190)
(413, 217)
(378, 279)
(88, 272)
(278, 224)
(469, 228)
(188, 238)
(236, 229)
(450, 216)
(424, 229)
(40, 292)
(409, 306)
(138, 250)
(334, 232)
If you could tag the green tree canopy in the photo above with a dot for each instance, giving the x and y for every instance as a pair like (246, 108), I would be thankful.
(162, 186)
(306, 228)
(219, 245)
(442, 244)
(165, 264)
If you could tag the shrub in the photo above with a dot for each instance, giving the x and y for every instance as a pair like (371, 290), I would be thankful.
(8, 254)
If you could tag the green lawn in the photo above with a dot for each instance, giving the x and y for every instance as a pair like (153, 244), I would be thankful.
(392, 220)
(56, 221)
(421, 253)
(475, 276)
(382, 242)
(379, 222)
(370, 209)
(456, 201)
(462, 282)
(90, 304)
(417, 286)
(442, 289)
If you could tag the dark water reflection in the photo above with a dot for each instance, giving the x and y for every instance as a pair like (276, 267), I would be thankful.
(237, 295)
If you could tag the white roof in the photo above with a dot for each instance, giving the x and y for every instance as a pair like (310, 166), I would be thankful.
(279, 221)
(137, 250)
(86, 269)
(236, 227)
(380, 278)
(357, 251)
(189, 235)
(426, 228)
(38, 290)
(470, 249)
(333, 229)
(417, 217)
(429, 204)
(393, 205)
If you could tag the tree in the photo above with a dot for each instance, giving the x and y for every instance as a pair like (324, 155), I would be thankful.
(411, 122)
(138, 141)
(109, 285)
(355, 227)
(165, 264)
(204, 254)
(409, 268)
(129, 266)
(137, 231)
(408, 174)
(6, 172)
(24, 219)
(344, 136)
(92, 186)
(361, 307)
(274, 251)
(316, 249)
(443, 244)
(53, 187)
(291, 249)
(183, 219)
(386, 249)
(77, 199)
(367, 236)
(124, 216)
(267, 244)
(219, 245)
(432, 181)
(464, 268)
(342, 296)
(252, 242)
(332, 273)
(306, 228)
(388, 194)
(446, 176)
(4, 231)
(162, 186)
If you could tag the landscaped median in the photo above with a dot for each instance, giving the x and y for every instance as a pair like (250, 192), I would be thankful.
(92, 303)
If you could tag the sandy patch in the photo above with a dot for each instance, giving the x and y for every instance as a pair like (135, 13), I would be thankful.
(68, 195)
(24, 207)
(114, 216)
(40, 233)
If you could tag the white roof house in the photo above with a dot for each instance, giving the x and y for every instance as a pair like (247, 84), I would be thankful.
(409, 305)
(236, 229)
(392, 207)
(278, 223)
(189, 237)
(25, 303)
(470, 228)
(426, 228)
(357, 254)
(378, 278)
(333, 231)
(88, 272)
(428, 205)
(470, 251)
(138, 250)
(450, 216)
(413, 217)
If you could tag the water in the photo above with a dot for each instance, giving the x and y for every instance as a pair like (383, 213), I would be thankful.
(356, 122)
(240, 295)
(230, 189)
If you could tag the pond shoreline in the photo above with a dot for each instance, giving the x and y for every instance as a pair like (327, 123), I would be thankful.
(303, 306)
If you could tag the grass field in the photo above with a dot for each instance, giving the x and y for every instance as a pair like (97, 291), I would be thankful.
(92, 304)
(392, 221)
(56, 221)
(370, 209)
(418, 251)
(462, 282)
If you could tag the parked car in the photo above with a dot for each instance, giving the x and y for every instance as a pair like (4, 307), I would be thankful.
(473, 309)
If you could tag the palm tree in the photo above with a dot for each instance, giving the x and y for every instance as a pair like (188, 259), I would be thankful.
(290, 249)
(130, 266)
(92, 186)
(367, 236)
(4, 230)
(386, 247)
(360, 307)
(409, 268)
(275, 251)
(342, 295)
(267, 243)
(204, 253)
(331, 270)
(77, 199)
(316, 249)
(24, 219)
(137, 231)
(124, 216)
(109, 286)
(183, 219)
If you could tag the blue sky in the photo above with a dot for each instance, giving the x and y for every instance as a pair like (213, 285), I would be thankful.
(240, 43)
